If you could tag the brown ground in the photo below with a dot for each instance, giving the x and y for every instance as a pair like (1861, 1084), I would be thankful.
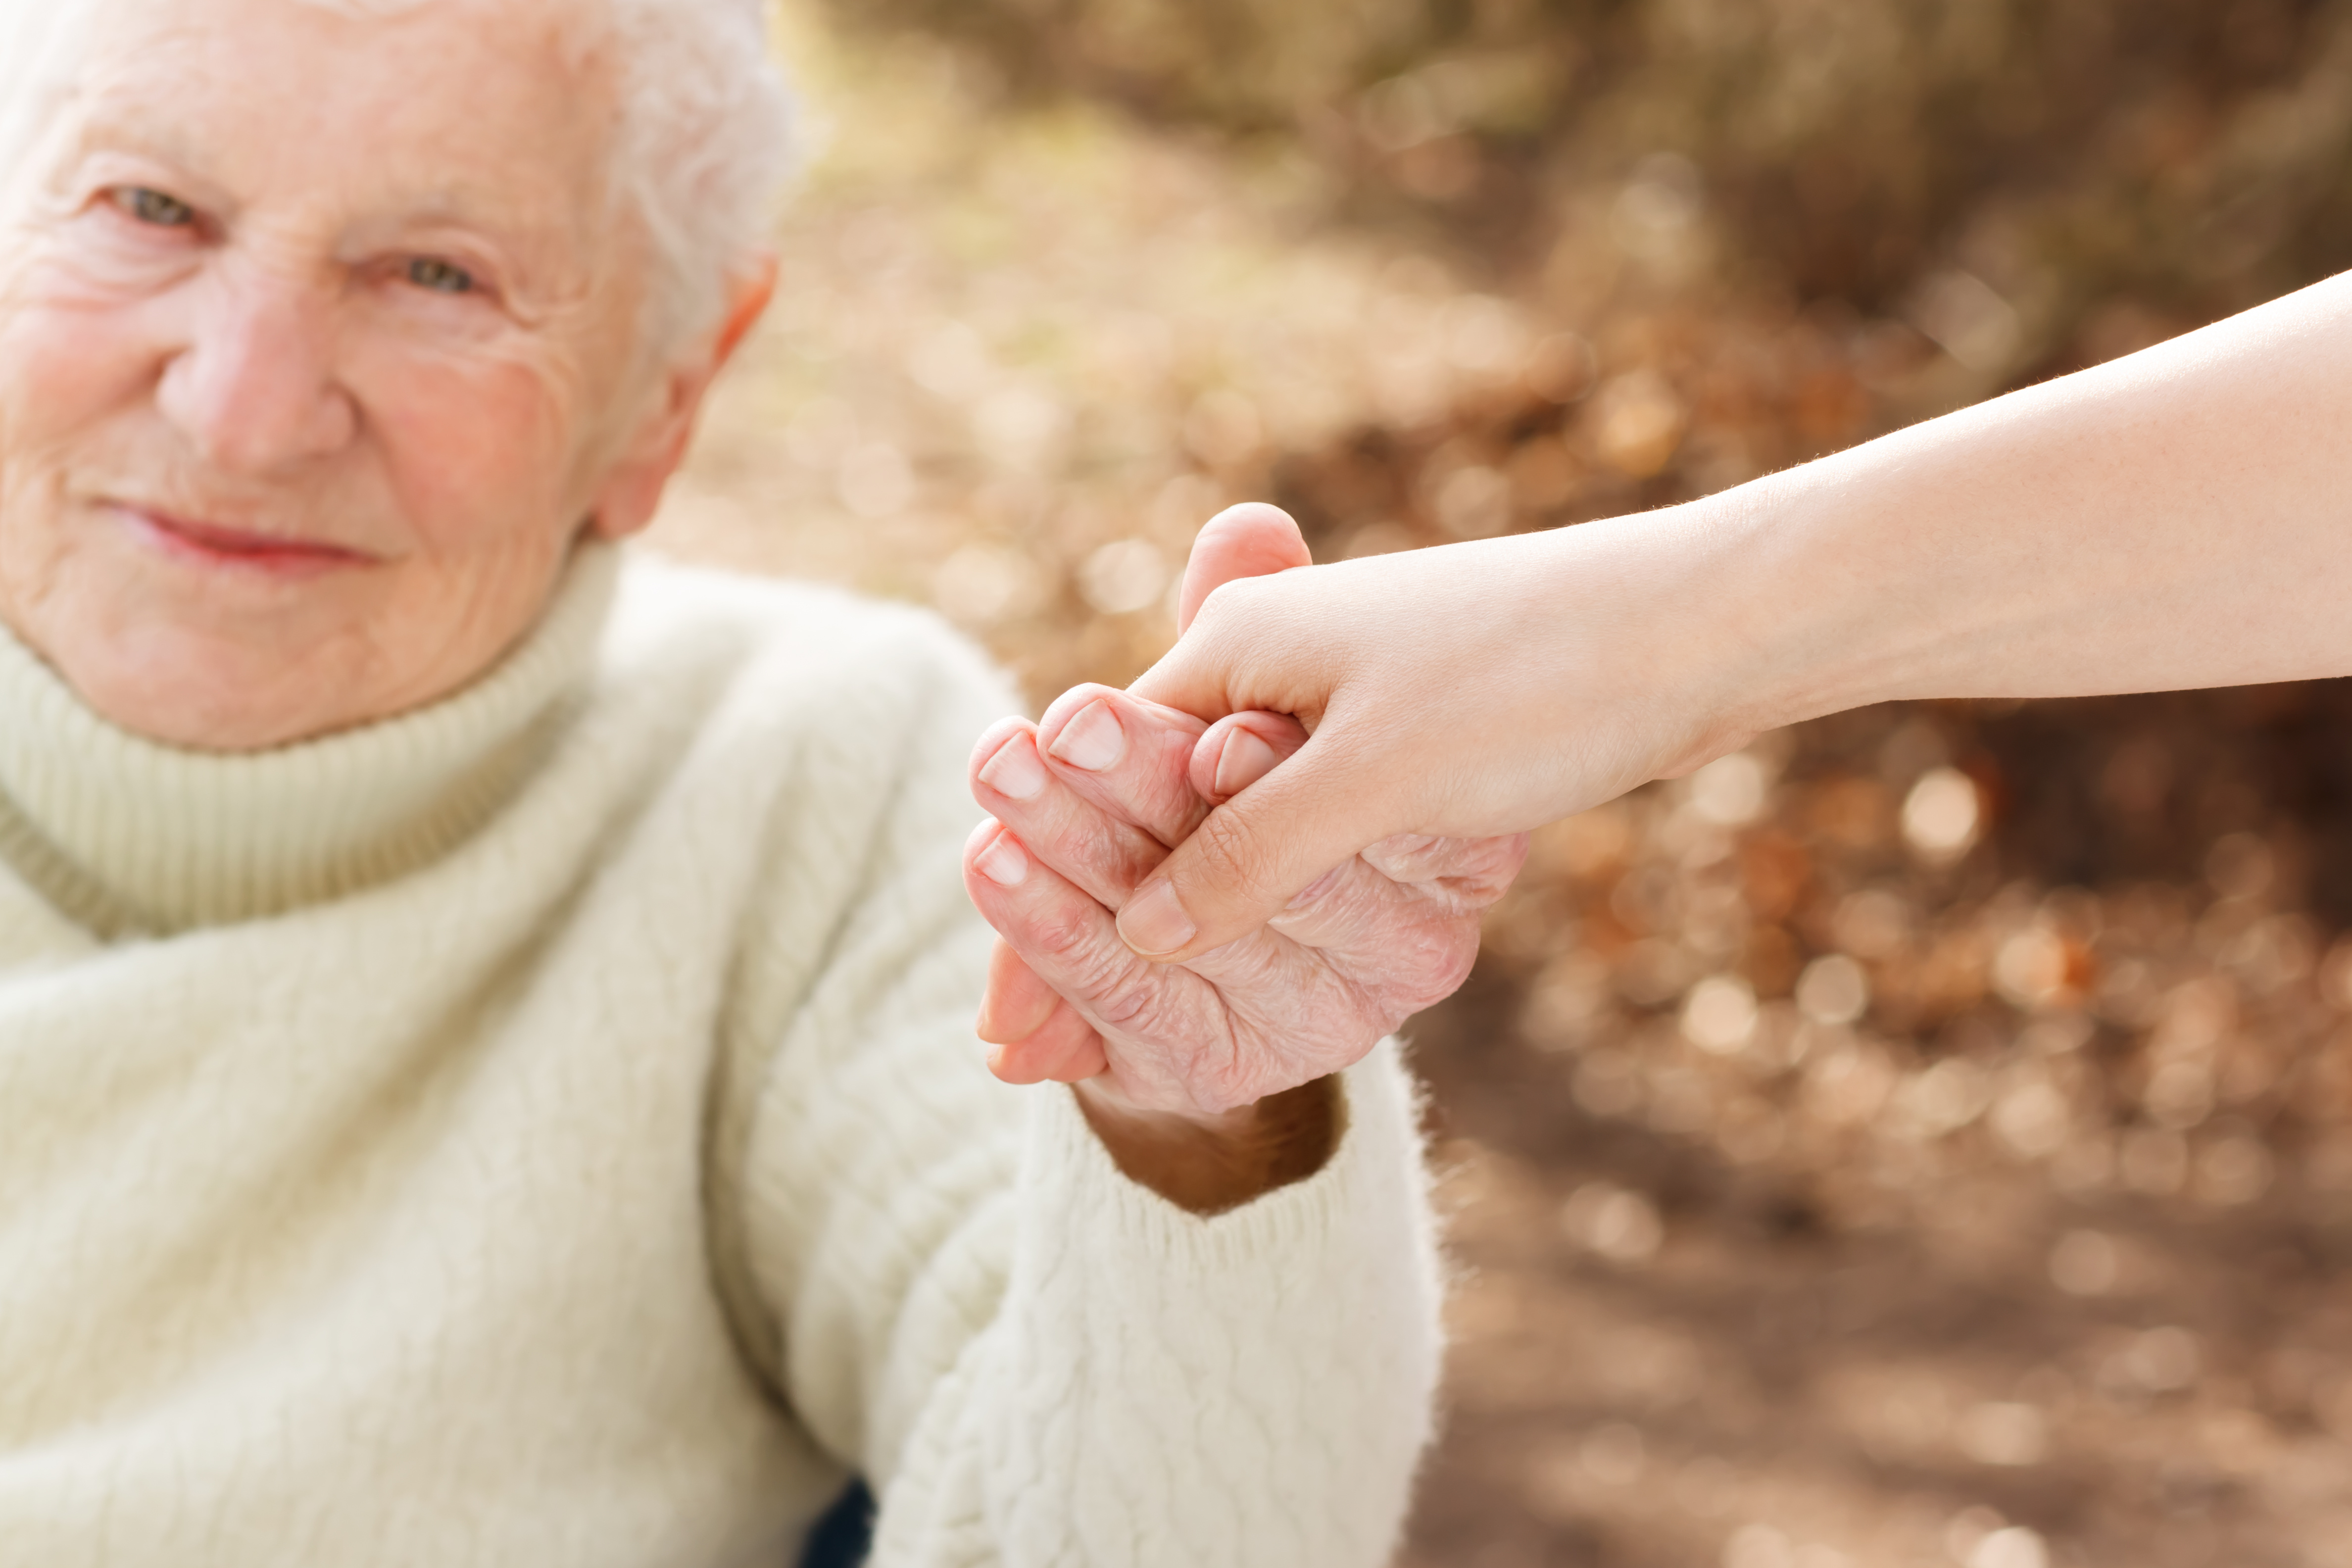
(1926, 1139)
(1883, 1298)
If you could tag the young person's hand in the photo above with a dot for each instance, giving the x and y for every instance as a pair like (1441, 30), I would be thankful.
(1463, 693)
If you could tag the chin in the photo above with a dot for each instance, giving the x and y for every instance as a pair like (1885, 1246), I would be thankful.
(203, 694)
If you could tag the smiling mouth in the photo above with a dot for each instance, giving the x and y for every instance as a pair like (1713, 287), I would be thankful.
(216, 545)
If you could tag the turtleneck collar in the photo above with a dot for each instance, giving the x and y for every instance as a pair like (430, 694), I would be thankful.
(127, 837)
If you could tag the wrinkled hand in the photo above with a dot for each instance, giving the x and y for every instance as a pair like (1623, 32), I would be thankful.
(1085, 804)
(1088, 802)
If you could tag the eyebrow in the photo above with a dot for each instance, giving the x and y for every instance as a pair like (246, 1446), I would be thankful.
(125, 124)
(105, 129)
(550, 241)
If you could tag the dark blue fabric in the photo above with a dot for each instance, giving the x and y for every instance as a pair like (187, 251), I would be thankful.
(844, 1536)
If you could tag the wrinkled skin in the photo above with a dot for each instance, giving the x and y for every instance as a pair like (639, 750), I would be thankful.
(1085, 803)
(319, 349)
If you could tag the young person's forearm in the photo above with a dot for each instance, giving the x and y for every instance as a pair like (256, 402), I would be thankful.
(2176, 518)
(2171, 520)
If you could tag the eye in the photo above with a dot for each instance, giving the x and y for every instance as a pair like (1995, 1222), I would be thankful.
(439, 276)
(152, 207)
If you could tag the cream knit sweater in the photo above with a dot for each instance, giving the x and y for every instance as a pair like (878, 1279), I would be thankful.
(546, 1128)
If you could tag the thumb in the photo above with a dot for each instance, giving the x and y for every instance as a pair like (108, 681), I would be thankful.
(1251, 539)
(1251, 856)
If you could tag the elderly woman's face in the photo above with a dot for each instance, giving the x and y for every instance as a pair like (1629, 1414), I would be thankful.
(316, 351)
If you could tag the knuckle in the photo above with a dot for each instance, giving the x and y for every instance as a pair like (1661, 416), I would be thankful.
(1126, 858)
(1223, 600)
(1482, 871)
(1510, 852)
(1225, 1080)
(1095, 970)
(1233, 609)
(1453, 961)
(1141, 1005)
(1062, 932)
(1236, 853)
(1130, 1008)
(1317, 897)
(1437, 965)
(1411, 856)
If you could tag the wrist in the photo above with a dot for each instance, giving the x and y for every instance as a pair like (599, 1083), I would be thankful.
(1779, 626)
(1674, 653)
(1875, 574)
(1210, 1162)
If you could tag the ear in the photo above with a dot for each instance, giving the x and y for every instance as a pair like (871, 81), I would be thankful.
(631, 489)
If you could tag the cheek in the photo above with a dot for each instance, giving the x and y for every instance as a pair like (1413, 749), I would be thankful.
(64, 370)
(72, 379)
(476, 454)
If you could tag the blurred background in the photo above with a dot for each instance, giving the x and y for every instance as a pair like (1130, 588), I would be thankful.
(1923, 1139)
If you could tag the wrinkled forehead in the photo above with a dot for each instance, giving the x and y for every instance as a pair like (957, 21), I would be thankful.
(456, 103)
(40, 46)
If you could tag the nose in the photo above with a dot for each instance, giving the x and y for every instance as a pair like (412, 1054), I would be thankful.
(253, 388)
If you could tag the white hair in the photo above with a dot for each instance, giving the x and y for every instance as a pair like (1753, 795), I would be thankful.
(706, 136)
(707, 140)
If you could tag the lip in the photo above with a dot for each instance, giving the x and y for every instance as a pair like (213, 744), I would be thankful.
(215, 544)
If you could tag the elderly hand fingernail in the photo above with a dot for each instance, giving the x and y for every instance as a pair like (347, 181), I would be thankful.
(1245, 760)
(1093, 741)
(1154, 922)
(1002, 862)
(1015, 770)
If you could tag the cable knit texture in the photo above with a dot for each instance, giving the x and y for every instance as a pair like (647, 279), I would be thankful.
(546, 1128)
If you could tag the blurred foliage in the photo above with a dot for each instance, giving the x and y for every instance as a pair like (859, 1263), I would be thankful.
(2184, 152)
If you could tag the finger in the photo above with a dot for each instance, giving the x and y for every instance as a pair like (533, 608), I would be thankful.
(1251, 856)
(1064, 1049)
(1017, 1004)
(1038, 1035)
(1404, 893)
(1409, 942)
(1251, 539)
(1475, 872)
(1249, 1017)
(1241, 749)
(1092, 846)
(991, 739)
(1130, 757)
(1067, 939)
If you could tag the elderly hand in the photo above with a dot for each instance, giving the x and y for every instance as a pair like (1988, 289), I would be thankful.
(1088, 802)
(1085, 803)
(1203, 1079)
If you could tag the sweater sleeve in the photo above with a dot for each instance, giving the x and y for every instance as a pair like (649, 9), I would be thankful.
(1032, 1359)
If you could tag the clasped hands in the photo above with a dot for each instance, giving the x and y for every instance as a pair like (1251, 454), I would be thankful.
(1206, 1078)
